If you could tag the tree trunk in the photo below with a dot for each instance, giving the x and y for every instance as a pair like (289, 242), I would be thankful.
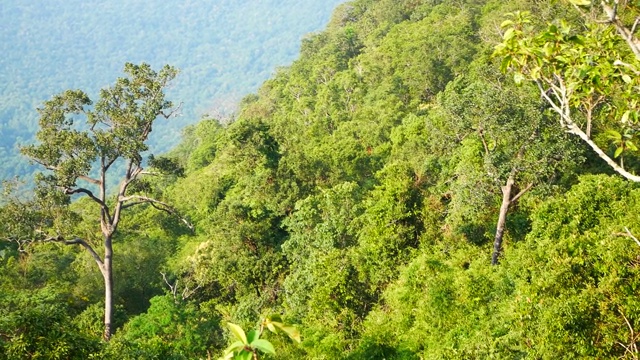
(502, 219)
(107, 274)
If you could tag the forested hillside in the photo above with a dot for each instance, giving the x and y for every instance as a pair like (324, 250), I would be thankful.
(224, 49)
(447, 179)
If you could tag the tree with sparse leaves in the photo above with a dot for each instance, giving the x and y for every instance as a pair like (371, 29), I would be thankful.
(81, 144)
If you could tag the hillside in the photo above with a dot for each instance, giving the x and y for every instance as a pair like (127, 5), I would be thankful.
(402, 190)
(224, 49)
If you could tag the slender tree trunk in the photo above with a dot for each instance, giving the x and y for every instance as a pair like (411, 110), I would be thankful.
(502, 219)
(107, 274)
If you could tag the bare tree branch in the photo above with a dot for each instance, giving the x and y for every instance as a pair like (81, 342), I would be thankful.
(78, 241)
(173, 288)
(54, 168)
(172, 113)
(157, 204)
(89, 193)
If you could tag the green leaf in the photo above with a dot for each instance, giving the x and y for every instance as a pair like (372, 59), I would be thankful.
(238, 332)
(548, 49)
(509, 34)
(631, 146)
(505, 63)
(618, 152)
(227, 356)
(535, 73)
(625, 117)
(264, 346)
(244, 355)
(626, 78)
(234, 347)
(506, 23)
(613, 135)
(580, 2)
(292, 332)
(518, 78)
(252, 336)
(271, 327)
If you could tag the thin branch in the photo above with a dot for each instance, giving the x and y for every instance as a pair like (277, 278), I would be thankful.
(626, 34)
(173, 288)
(628, 66)
(90, 180)
(108, 164)
(157, 204)
(121, 192)
(522, 192)
(103, 205)
(484, 142)
(560, 91)
(632, 348)
(151, 173)
(78, 241)
(635, 25)
(628, 233)
(186, 293)
(172, 113)
(55, 168)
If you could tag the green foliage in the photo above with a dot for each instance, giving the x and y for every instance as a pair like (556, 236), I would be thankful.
(247, 346)
(37, 325)
(168, 330)
(356, 192)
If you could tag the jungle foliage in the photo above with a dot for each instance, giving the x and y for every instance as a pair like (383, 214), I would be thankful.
(359, 196)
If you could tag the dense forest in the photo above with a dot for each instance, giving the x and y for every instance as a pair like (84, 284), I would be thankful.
(430, 179)
(224, 50)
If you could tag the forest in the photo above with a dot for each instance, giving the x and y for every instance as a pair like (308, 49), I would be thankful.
(430, 179)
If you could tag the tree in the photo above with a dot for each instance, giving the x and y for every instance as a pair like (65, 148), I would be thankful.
(587, 74)
(507, 143)
(79, 155)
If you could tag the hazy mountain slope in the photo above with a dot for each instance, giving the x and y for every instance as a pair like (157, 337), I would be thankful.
(224, 49)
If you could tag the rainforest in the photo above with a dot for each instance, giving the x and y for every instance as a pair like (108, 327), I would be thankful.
(429, 179)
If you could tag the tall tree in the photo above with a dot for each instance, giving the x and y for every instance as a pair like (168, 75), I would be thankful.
(517, 146)
(79, 155)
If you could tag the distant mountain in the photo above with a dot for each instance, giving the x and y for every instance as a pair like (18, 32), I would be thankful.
(224, 49)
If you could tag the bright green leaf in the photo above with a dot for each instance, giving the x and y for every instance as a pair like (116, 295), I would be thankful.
(292, 332)
(535, 73)
(244, 355)
(580, 2)
(264, 346)
(271, 327)
(613, 135)
(506, 23)
(227, 356)
(252, 336)
(238, 332)
(625, 117)
(234, 347)
(631, 146)
(518, 78)
(618, 152)
(509, 34)
(626, 78)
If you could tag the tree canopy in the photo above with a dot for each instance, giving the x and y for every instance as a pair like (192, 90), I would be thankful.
(405, 189)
